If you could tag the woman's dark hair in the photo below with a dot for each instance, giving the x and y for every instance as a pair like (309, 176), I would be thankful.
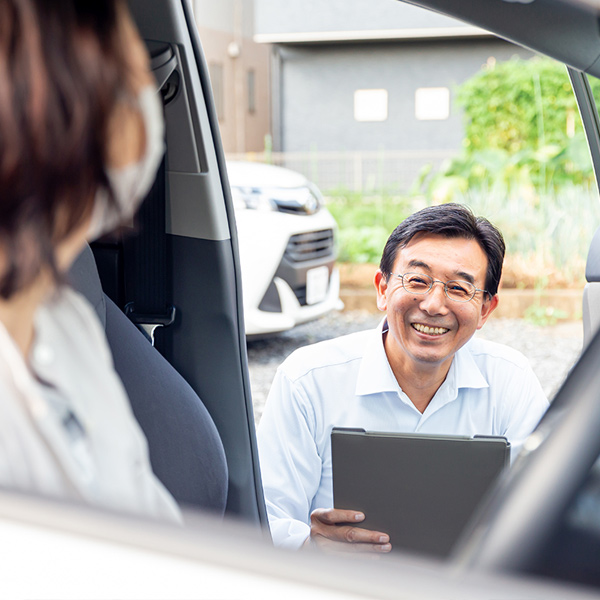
(62, 67)
(452, 221)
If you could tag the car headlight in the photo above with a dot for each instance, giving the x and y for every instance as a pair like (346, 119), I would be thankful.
(305, 200)
(251, 198)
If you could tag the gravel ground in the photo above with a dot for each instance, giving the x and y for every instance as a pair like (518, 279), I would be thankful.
(551, 350)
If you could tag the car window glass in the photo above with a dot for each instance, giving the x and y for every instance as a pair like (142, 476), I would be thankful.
(574, 546)
(573, 549)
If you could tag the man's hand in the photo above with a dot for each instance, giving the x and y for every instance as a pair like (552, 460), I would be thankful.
(333, 529)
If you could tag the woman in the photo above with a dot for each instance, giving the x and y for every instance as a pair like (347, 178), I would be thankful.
(81, 136)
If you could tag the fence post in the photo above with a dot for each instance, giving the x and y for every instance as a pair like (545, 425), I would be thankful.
(357, 172)
(314, 170)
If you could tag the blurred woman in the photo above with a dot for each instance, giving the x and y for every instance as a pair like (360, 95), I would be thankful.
(81, 136)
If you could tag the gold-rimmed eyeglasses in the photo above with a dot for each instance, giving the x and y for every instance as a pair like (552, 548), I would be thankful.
(456, 290)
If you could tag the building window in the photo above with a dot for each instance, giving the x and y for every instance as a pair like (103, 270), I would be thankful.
(251, 92)
(215, 71)
(432, 104)
(370, 105)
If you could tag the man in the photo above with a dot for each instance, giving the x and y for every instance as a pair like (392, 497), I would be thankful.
(420, 371)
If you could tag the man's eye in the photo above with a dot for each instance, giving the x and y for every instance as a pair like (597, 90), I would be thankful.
(460, 289)
(417, 281)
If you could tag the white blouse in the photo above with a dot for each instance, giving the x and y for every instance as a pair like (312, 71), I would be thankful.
(66, 426)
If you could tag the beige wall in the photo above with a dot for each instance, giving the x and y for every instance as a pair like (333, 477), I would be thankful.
(241, 130)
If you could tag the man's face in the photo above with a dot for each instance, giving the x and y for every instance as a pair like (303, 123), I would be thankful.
(451, 324)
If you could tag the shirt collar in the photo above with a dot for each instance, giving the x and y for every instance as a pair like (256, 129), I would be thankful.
(375, 374)
(466, 372)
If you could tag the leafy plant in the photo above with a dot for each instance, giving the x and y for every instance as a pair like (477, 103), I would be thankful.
(521, 130)
(361, 244)
(540, 315)
(365, 222)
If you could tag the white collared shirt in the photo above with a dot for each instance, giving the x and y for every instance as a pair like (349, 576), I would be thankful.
(66, 426)
(490, 389)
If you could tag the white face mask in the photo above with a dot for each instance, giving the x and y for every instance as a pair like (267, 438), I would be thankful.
(131, 183)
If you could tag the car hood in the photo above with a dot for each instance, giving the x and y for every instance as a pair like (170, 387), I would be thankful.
(259, 175)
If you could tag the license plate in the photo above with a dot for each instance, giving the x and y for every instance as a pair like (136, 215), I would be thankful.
(317, 282)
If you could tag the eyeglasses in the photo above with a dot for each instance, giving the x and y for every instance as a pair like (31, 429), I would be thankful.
(420, 283)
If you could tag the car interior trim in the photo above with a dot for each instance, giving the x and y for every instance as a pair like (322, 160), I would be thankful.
(565, 31)
(187, 215)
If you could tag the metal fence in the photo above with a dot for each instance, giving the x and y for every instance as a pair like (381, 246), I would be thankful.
(394, 171)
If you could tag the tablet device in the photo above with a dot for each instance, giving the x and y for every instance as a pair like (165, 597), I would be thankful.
(420, 489)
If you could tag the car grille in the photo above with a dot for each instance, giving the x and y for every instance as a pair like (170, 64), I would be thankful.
(310, 246)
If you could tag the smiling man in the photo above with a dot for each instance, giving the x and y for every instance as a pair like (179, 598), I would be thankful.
(419, 371)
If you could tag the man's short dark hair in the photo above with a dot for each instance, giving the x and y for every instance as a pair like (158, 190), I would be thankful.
(452, 221)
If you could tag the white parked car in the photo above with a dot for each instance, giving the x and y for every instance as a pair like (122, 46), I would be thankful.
(287, 247)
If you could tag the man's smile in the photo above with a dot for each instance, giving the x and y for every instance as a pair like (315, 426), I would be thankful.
(429, 330)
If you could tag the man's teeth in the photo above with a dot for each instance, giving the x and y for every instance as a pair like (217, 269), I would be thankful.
(430, 330)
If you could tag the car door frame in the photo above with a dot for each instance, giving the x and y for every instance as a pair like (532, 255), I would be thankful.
(206, 343)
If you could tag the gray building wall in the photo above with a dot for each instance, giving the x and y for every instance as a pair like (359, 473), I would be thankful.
(325, 50)
(294, 16)
(317, 85)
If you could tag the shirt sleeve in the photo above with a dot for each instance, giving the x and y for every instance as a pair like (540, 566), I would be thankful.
(290, 462)
(528, 405)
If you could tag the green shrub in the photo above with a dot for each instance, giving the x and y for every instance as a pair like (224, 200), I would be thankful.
(362, 244)
(519, 105)
(522, 128)
(365, 222)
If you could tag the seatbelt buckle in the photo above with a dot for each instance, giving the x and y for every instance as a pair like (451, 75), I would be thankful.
(148, 323)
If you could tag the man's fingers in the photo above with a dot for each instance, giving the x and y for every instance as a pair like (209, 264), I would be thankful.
(357, 535)
(333, 516)
(336, 525)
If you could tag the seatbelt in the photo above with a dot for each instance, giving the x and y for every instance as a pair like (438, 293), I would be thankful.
(146, 284)
(146, 281)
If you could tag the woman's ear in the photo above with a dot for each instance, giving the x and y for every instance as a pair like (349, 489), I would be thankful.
(381, 285)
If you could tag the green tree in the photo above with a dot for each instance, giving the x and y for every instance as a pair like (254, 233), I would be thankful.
(518, 105)
(522, 128)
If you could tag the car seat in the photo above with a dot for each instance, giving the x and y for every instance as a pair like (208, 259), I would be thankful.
(591, 292)
(186, 452)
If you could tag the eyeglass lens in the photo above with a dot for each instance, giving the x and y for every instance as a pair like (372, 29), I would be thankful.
(419, 283)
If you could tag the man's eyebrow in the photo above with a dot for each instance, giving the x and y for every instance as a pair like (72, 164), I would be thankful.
(466, 276)
(423, 265)
(419, 263)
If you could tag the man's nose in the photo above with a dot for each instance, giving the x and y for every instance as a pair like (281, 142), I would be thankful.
(435, 301)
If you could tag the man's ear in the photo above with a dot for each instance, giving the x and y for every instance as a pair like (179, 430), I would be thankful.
(487, 308)
(381, 287)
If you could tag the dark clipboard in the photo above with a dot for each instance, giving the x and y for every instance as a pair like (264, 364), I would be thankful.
(420, 489)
